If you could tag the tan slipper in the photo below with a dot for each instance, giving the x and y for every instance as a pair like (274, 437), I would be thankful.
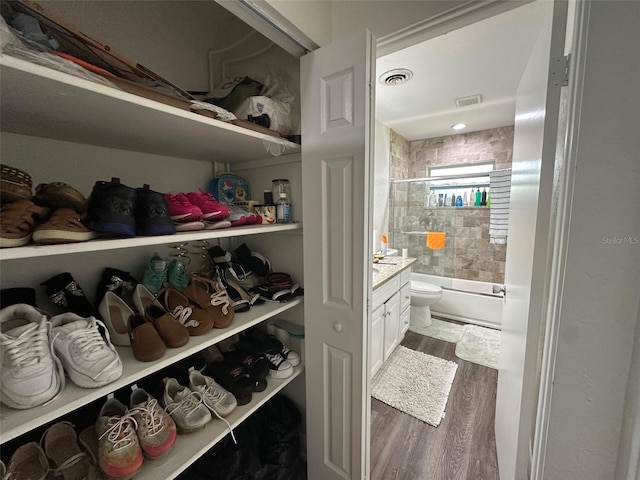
(64, 226)
(212, 297)
(197, 320)
(17, 221)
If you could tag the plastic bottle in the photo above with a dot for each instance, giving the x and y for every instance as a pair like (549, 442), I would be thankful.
(283, 209)
(459, 201)
(483, 200)
(488, 199)
(478, 199)
(268, 197)
(383, 248)
(453, 199)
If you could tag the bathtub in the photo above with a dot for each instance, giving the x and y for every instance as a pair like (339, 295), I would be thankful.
(465, 300)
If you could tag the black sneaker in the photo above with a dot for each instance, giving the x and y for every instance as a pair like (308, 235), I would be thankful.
(152, 213)
(256, 366)
(65, 292)
(252, 262)
(232, 377)
(112, 208)
(117, 281)
(15, 295)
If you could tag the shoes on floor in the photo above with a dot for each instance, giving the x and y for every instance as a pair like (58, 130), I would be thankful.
(119, 452)
(155, 428)
(152, 213)
(146, 342)
(196, 320)
(155, 275)
(214, 396)
(211, 296)
(181, 209)
(28, 462)
(58, 195)
(112, 208)
(211, 209)
(66, 293)
(31, 375)
(115, 314)
(185, 406)
(60, 444)
(63, 226)
(90, 360)
(17, 221)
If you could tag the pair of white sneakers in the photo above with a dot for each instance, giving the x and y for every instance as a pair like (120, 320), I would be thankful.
(37, 350)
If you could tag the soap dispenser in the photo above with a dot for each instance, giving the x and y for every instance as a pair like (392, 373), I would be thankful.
(483, 200)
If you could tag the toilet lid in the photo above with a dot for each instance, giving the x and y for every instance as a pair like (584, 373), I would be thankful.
(424, 287)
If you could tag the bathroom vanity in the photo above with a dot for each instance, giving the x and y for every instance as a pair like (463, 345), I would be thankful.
(390, 309)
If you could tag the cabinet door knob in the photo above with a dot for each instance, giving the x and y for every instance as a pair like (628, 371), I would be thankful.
(337, 327)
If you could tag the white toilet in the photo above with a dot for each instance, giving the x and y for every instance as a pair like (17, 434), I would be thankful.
(423, 295)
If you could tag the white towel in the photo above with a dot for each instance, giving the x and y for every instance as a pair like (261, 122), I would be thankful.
(500, 188)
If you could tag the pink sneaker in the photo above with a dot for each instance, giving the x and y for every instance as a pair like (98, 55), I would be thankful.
(211, 209)
(239, 216)
(181, 209)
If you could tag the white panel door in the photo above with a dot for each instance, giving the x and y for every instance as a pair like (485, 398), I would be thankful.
(337, 105)
(527, 261)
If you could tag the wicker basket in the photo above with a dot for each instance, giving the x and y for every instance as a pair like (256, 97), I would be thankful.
(14, 184)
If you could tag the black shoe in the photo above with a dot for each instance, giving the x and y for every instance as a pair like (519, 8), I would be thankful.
(252, 262)
(65, 292)
(232, 377)
(13, 296)
(112, 208)
(117, 281)
(254, 365)
(152, 213)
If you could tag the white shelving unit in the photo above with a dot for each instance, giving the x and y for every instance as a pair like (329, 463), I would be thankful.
(47, 104)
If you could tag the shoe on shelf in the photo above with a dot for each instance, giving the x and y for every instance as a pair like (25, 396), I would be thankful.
(63, 226)
(90, 360)
(190, 226)
(181, 209)
(112, 207)
(185, 406)
(155, 428)
(217, 225)
(57, 195)
(31, 374)
(28, 462)
(142, 298)
(210, 296)
(197, 321)
(214, 396)
(17, 221)
(152, 213)
(60, 444)
(252, 262)
(117, 281)
(256, 366)
(177, 274)
(115, 314)
(270, 344)
(65, 292)
(233, 378)
(279, 367)
(15, 184)
(211, 209)
(11, 296)
(173, 333)
(119, 452)
(146, 343)
(155, 275)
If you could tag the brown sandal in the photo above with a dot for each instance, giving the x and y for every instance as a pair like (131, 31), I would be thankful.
(197, 320)
(60, 443)
(212, 297)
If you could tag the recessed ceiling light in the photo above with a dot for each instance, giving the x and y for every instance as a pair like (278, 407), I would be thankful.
(395, 77)
(459, 126)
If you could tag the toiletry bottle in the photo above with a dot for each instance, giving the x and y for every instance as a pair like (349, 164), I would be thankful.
(453, 199)
(283, 209)
(465, 199)
(459, 201)
(488, 199)
(478, 199)
(383, 249)
(483, 200)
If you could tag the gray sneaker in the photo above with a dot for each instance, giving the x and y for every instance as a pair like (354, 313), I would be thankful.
(185, 407)
(30, 374)
(217, 399)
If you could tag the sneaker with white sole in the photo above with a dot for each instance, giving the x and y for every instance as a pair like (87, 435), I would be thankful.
(279, 367)
(30, 374)
(155, 428)
(185, 406)
(217, 399)
(90, 360)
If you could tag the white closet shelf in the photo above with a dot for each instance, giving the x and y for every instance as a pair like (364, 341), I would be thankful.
(32, 251)
(43, 102)
(17, 422)
(190, 447)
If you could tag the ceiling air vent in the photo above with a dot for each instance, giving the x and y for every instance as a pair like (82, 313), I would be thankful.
(468, 101)
(395, 77)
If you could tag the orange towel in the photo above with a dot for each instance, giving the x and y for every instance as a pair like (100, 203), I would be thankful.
(436, 240)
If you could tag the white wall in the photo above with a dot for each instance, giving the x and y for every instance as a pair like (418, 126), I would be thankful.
(600, 298)
(381, 182)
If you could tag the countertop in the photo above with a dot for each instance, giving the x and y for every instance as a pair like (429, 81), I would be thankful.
(388, 268)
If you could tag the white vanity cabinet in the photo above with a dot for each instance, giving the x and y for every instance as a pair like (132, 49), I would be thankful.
(391, 311)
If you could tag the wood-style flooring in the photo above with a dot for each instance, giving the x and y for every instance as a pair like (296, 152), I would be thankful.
(462, 447)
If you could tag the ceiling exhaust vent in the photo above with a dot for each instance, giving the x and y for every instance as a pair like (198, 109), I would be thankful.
(396, 77)
(468, 101)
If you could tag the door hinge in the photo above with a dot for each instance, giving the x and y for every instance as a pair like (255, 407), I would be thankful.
(559, 71)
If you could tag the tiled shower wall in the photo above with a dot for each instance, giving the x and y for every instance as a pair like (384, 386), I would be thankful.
(468, 253)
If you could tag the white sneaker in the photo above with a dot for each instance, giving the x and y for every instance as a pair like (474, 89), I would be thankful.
(31, 374)
(185, 407)
(278, 366)
(217, 399)
(90, 360)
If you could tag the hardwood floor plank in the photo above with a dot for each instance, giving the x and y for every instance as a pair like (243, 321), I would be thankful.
(462, 447)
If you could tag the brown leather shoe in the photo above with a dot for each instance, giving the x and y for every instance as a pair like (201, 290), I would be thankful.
(146, 343)
(173, 333)
(17, 220)
(212, 297)
(197, 321)
(64, 226)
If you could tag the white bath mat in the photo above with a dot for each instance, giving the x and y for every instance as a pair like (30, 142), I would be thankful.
(479, 345)
(415, 383)
(447, 331)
